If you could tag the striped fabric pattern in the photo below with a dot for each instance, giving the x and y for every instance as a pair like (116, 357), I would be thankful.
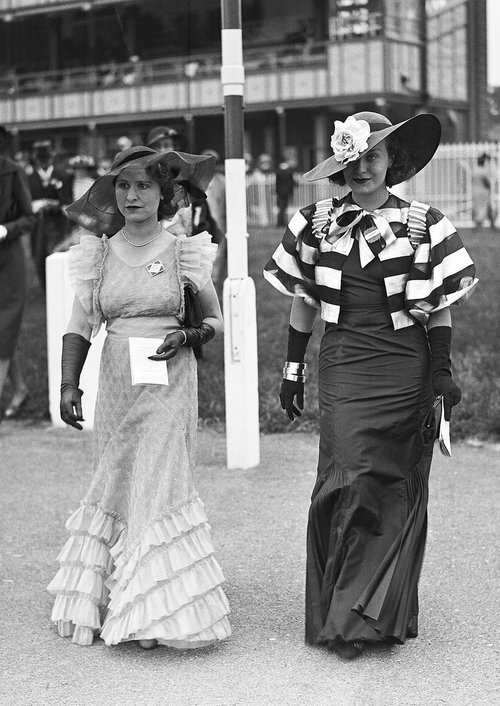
(418, 280)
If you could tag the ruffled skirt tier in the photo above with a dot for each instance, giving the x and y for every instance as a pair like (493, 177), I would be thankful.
(168, 588)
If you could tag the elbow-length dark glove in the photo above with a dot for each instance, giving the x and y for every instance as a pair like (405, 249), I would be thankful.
(292, 391)
(442, 381)
(74, 354)
(188, 337)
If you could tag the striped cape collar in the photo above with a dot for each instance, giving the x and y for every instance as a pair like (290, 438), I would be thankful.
(335, 222)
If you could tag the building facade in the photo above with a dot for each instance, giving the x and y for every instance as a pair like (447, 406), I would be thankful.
(84, 73)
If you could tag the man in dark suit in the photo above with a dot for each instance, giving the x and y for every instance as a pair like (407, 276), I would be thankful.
(16, 219)
(285, 184)
(51, 189)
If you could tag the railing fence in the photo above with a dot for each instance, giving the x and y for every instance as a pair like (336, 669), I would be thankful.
(446, 183)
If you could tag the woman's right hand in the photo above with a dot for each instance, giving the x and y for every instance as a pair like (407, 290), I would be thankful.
(71, 407)
(290, 390)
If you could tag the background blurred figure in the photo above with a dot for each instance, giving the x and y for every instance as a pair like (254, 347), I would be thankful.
(248, 162)
(124, 143)
(482, 206)
(84, 171)
(261, 193)
(165, 139)
(51, 189)
(23, 159)
(264, 164)
(16, 219)
(132, 73)
(285, 184)
(103, 166)
(216, 201)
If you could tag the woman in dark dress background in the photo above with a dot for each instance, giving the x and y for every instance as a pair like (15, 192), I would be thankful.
(16, 219)
(384, 273)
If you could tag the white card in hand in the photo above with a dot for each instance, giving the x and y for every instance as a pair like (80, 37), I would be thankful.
(444, 434)
(144, 371)
(443, 431)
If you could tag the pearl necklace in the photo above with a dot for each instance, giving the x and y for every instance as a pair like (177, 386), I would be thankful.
(141, 245)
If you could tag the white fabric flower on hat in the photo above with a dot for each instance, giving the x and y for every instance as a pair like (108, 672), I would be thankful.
(349, 139)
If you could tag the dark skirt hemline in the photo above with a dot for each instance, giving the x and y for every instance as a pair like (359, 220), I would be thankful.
(368, 516)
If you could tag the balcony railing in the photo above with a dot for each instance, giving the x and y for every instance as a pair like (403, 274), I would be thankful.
(142, 73)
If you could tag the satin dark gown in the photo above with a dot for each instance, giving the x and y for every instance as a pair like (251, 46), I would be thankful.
(368, 515)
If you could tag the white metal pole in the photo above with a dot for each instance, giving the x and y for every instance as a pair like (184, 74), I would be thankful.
(240, 343)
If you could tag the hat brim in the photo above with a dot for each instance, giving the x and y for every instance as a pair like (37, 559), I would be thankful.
(97, 210)
(420, 135)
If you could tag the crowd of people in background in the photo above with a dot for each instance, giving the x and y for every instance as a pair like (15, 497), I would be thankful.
(56, 180)
(43, 182)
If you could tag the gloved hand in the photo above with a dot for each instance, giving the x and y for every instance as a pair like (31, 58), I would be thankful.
(170, 346)
(288, 392)
(443, 384)
(70, 407)
(442, 381)
(188, 337)
(74, 354)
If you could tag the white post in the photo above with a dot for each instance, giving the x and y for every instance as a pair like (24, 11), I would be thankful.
(240, 341)
(240, 344)
(59, 302)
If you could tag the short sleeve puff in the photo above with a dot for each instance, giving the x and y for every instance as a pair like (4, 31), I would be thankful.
(85, 262)
(442, 272)
(195, 259)
(291, 268)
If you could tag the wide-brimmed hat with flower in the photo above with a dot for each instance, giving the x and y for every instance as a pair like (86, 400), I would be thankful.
(360, 132)
(97, 210)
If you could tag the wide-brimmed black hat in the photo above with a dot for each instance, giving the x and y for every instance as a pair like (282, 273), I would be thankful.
(97, 210)
(360, 132)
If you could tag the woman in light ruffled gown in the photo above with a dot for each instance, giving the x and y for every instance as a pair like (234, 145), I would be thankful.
(139, 563)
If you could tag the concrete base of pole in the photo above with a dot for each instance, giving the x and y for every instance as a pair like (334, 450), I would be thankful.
(241, 374)
(59, 301)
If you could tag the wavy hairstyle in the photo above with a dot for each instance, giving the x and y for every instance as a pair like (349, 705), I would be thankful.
(164, 177)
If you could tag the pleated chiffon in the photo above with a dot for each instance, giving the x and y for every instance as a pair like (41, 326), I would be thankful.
(139, 563)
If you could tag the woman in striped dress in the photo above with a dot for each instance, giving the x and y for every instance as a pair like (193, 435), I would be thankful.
(383, 273)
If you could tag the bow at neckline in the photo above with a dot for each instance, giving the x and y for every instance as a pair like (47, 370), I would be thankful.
(375, 232)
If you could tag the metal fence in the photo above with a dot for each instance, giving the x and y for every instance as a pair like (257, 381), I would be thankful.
(446, 183)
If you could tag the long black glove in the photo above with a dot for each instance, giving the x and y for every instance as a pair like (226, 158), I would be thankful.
(442, 381)
(74, 355)
(188, 337)
(291, 390)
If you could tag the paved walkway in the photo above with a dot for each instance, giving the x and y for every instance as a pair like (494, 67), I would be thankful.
(258, 519)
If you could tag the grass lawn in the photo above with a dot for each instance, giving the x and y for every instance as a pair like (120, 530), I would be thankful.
(476, 346)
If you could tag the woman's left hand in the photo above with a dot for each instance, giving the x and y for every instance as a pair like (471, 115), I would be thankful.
(289, 392)
(443, 384)
(170, 346)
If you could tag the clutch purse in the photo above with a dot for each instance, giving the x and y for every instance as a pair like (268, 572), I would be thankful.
(193, 315)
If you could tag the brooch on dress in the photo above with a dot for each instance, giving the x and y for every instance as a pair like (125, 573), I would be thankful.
(155, 268)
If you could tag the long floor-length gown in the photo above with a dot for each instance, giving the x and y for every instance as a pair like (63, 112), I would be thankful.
(139, 563)
(367, 521)
(368, 516)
